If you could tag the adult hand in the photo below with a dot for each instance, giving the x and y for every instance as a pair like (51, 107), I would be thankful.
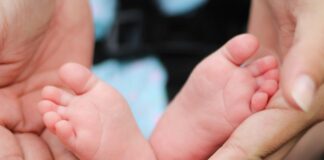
(311, 145)
(36, 38)
(270, 134)
(293, 31)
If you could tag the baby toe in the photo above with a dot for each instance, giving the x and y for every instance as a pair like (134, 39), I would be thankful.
(259, 101)
(63, 112)
(240, 49)
(269, 86)
(65, 132)
(56, 95)
(272, 74)
(77, 77)
(45, 106)
(263, 65)
(50, 119)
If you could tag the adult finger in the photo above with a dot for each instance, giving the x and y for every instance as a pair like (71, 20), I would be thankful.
(266, 131)
(303, 67)
(260, 135)
(33, 147)
(311, 146)
(9, 146)
(284, 150)
(56, 147)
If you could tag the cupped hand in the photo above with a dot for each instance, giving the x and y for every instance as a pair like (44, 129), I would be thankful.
(36, 38)
(272, 133)
(293, 31)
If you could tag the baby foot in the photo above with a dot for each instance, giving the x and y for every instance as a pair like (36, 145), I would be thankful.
(218, 96)
(92, 119)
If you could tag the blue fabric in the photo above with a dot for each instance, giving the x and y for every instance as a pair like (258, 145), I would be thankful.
(179, 7)
(104, 15)
(105, 11)
(142, 83)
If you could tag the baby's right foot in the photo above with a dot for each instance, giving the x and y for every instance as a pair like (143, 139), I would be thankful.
(218, 96)
(93, 120)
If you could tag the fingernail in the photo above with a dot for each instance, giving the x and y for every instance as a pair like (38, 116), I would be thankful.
(303, 92)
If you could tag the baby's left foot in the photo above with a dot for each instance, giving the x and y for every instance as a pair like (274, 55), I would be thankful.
(93, 121)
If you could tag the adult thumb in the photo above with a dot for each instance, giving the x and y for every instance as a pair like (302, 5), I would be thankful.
(303, 66)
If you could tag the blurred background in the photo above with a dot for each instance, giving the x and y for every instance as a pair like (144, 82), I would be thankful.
(147, 48)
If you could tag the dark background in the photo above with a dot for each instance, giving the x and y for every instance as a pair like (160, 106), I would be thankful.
(180, 42)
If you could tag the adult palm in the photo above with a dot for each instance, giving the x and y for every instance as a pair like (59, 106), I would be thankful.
(36, 38)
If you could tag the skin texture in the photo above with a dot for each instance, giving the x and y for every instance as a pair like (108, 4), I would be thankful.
(92, 120)
(217, 97)
(36, 38)
(68, 32)
(290, 30)
(274, 121)
(305, 148)
(200, 119)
